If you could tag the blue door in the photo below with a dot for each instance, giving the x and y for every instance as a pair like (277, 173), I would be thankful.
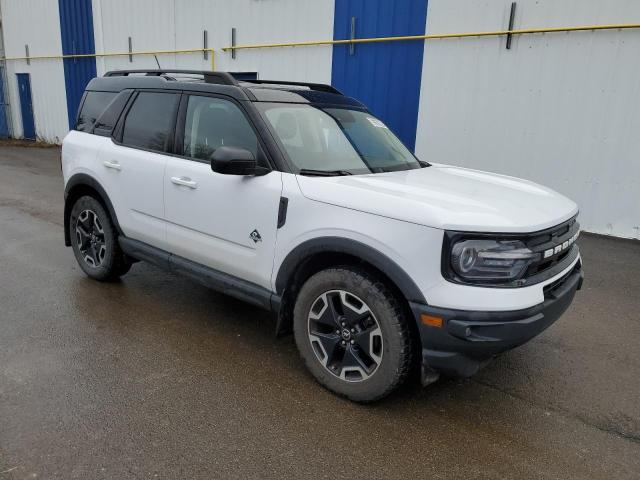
(26, 106)
(384, 76)
(4, 124)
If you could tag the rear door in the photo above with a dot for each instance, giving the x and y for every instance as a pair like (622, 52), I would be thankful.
(132, 165)
(226, 222)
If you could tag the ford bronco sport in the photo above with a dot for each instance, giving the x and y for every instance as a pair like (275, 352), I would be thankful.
(297, 199)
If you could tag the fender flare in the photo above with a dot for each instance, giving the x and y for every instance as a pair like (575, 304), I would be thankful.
(82, 179)
(351, 247)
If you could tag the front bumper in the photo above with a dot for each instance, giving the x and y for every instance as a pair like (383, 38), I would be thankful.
(466, 340)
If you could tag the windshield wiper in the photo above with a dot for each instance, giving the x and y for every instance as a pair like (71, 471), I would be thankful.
(323, 173)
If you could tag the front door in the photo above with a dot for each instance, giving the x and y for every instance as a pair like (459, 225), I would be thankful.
(26, 106)
(226, 222)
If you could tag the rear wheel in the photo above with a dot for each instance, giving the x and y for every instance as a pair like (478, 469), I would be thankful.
(352, 333)
(94, 241)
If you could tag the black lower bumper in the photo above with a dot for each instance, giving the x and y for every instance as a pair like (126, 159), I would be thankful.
(467, 340)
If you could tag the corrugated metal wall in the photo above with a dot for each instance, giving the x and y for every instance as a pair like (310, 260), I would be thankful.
(36, 23)
(179, 24)
(560, 109)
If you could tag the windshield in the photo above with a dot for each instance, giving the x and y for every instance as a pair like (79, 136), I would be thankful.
(336, 140)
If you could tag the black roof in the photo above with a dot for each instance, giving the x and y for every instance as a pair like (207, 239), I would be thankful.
(223, 83)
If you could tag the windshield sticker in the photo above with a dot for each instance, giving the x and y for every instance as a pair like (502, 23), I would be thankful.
(376, 123)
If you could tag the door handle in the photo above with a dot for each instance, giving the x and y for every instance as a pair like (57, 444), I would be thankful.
(184, 182)
(112, 164)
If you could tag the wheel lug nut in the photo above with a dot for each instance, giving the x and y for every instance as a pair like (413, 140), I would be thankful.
(352, 342)
(343, 342)
(338, 332)
(343, 324)
(353, 330)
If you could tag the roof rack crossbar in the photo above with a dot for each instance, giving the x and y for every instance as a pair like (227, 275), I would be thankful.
(220, 78)
(321, 87)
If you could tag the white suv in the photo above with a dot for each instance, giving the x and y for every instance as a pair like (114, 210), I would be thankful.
(295, 198)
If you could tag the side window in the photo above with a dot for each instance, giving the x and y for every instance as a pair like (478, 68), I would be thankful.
(213, 122)
(149, 121)
(94, 104)
(106, 122)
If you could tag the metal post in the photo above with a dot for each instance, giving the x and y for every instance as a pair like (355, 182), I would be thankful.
(205, 46)
(352, 46)
(233, 43)
(130, 50)
(512, 17)
(26, 54)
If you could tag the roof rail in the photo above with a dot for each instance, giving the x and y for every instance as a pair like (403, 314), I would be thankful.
(321, 87)
(220, 78)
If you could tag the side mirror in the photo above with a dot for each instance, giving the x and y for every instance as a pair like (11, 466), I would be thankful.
(233, 161)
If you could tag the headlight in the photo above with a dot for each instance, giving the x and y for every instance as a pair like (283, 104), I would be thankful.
(490, 261)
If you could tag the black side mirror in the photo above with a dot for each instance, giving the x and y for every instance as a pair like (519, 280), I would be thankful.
(233, 161)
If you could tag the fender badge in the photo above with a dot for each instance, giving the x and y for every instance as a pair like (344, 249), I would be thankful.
(255, 236)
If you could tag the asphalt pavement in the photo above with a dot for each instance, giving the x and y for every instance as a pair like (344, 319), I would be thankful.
(157, 377)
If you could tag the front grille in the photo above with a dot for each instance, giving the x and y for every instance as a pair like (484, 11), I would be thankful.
(548, 289)
(547, 239)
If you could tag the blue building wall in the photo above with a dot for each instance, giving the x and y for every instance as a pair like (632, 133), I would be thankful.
(76, 28)
(384, 76)
(4, 101)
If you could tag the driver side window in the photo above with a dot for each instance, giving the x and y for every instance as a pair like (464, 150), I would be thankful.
(211, 123)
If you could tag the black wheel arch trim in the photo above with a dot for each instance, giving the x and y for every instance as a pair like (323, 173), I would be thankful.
(82, 179)
(370, 255)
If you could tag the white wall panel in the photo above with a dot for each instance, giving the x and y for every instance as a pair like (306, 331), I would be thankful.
(558, 108)
(35, 23)
(179, 24)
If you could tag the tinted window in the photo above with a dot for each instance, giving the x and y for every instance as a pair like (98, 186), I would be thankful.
(211, 123)
(94, 104)
(108, 119)
(149, 121)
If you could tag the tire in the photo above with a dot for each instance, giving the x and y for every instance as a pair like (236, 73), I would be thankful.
(95, 241)
(371, 354)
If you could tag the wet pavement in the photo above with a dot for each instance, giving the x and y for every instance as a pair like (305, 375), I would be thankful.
(158, 377)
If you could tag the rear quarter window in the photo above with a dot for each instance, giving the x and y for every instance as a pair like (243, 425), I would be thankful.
(109, 118)
(94, 104)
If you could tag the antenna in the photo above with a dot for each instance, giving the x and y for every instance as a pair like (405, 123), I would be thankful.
(156, 57)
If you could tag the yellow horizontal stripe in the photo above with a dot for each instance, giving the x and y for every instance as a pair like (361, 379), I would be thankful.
(438, 36)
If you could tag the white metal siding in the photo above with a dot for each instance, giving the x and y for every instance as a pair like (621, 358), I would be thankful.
(560, 109)
(179, 24)
(35, 23)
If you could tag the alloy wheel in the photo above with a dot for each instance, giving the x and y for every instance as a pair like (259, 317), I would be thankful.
(91, 240)
(345, 335)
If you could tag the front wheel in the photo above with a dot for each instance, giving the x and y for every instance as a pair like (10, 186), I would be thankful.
(352, 333)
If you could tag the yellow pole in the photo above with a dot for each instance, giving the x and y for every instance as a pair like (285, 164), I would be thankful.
(439, 36)
(114, 54)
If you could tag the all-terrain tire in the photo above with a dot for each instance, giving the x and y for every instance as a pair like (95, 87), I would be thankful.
(363, 291)
(94, 240)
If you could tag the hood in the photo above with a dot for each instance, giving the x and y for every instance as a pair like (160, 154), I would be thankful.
(446, 197)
